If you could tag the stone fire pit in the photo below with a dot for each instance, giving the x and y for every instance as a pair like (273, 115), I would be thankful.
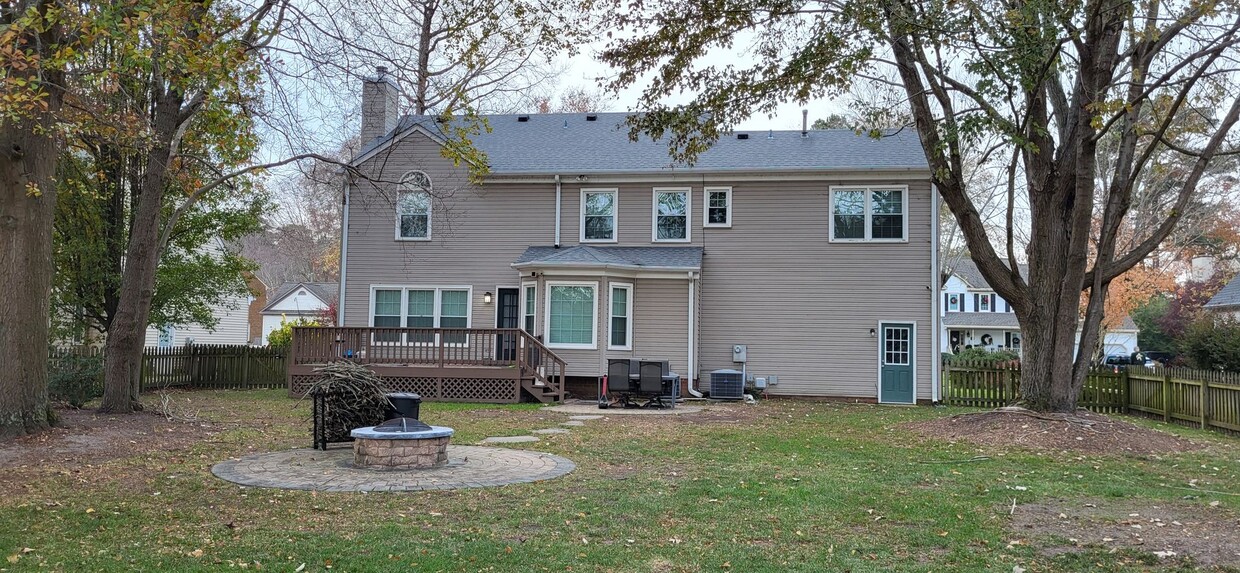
(384, 449)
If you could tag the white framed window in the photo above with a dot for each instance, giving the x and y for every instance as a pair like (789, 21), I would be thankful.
(413, 207)
(529, 302)
(423, 308)
(598, 215)
(953, 302)
(620, 317)
(717, 207)
(671, 215)
(572, 315)
(986, 303)
(877, 214)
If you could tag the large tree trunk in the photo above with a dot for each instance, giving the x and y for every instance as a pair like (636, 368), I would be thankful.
(27, 211)
(127, 335)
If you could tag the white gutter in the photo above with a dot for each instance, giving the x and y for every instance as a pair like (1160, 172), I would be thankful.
(935, 291)
(692, 334)
(344, 250)
(558, 200)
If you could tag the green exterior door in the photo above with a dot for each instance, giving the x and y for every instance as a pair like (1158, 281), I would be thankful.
(895, 363)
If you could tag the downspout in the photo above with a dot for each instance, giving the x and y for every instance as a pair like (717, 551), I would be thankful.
(935, 298)
(693, 335)
(344, 249)
(558, 200)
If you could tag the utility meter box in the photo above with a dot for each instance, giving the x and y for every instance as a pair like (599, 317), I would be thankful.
(740, 353)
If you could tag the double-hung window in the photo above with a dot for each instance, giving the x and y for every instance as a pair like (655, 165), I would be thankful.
(953, 302)
(869, 214)
(421, 308)
(528, 303)
(413, 208)
(671, 215)
(717, 203)
(620, 335)
(572, 313)
(598, 215)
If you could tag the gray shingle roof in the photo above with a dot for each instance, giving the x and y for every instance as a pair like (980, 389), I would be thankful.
(1003, 320)
(569, 144)
(687, 258)
(327, 292)
(1228, 296)
(967, 271)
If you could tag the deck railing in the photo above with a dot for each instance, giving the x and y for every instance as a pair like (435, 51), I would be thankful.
(447, 350)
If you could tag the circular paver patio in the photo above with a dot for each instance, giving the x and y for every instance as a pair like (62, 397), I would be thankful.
(332, 470)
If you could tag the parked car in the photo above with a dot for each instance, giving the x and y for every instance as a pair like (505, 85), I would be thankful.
(1118, 362)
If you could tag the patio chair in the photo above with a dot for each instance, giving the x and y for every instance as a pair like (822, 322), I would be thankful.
(619, 385)
(650, 383)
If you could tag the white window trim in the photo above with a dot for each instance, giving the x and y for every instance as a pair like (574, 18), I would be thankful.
(430, 206)
(404, 310)
(706, 207)
(868, 228)
(524, 301)
(628, 335)
(959, 299)
(654, 214)
(615, 216)
(593, 345)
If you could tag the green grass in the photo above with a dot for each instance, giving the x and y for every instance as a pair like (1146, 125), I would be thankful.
(791, 486)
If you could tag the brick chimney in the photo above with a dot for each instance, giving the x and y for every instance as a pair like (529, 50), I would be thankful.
(380, 105)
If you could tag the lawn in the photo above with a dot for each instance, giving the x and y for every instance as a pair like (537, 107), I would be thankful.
(778, 486)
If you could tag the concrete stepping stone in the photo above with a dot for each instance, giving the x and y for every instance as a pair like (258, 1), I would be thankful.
(552, 431)
(573, 423)
(510, 439)
(585, 417)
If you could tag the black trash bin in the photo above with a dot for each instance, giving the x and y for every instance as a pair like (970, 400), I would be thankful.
(404, 405)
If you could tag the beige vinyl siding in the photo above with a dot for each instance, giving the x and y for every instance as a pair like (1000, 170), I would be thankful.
(476, 233)
(774, 281)
(804, 305)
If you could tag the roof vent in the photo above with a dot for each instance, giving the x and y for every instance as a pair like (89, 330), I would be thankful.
(591, 117)
(742, 136)
(523, 118)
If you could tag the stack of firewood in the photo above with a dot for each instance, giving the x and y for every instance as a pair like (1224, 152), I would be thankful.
(347, 396)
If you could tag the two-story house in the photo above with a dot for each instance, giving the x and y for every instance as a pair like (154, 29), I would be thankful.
(973, 315)
(814, 250)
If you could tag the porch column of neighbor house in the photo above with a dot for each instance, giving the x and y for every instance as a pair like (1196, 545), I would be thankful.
(692, 366)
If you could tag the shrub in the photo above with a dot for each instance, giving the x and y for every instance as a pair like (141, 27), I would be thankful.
(75, 379)
(282, 337)
(1213, 343)
(981, 355)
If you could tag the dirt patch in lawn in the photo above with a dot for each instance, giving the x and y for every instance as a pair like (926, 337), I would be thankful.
(88, 437)
(1207, 535)
(1083, 432)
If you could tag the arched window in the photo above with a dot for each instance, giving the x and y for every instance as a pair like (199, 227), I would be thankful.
(413, 207)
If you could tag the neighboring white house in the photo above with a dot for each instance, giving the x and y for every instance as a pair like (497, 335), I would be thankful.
(974, 315)
(1227, 300)
(297, 300)
(232, 314)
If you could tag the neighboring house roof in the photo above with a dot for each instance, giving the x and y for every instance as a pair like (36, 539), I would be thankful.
(648, 258)
(325, 292)
(569, 144)
(967, 271)
(1227, 297)
(1006, 320)
(981, 320)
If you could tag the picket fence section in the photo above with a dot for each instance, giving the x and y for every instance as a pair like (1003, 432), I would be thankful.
(198, 366)
(1202, 398)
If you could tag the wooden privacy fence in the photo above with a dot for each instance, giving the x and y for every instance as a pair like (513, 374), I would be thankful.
(1203, 398)
(213, 366)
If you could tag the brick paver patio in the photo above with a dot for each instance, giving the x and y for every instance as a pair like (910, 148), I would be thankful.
(332, 470)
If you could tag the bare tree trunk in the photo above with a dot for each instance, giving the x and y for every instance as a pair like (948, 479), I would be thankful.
(126, 338)
(27, 211)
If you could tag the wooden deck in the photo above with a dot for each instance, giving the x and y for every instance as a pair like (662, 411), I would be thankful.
(454, 364)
